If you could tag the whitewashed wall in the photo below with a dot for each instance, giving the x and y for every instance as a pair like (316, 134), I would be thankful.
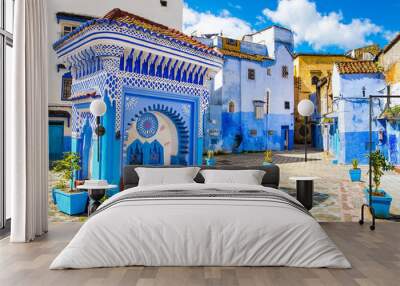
(281, 88)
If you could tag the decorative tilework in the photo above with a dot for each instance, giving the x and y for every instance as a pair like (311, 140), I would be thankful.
(131, 103)
(79, 118)
(147, 125)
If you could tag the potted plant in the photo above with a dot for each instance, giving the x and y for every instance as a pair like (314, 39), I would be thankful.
(67, 200)
(355, 173)
(380, 200)
(267, 158)
(210, 159)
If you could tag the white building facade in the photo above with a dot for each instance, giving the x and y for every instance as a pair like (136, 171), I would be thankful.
(253, 103)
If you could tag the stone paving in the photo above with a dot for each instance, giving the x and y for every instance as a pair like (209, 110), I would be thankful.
(336, 198)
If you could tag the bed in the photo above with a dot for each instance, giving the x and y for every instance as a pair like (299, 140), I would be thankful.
(197, 224)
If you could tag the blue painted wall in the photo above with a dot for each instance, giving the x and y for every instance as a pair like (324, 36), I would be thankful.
(393, 142)
(349, 139)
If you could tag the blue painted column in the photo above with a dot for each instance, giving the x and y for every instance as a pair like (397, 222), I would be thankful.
(110, 146)
(95, 162)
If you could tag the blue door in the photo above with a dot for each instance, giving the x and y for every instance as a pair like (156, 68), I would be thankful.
(285, 137)
(56, 140)
(139, 153)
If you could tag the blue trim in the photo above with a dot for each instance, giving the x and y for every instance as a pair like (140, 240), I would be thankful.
(82, 105)
(83, 97)
(71, 18)
(61, 54)
(60, 116)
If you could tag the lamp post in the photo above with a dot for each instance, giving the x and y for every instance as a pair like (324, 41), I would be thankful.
(305, 109)
(98, 108)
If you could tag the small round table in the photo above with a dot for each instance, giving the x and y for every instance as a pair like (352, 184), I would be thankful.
(305, 190)
(95, 193)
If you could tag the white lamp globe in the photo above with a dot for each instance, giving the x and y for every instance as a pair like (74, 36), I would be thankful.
(98, 108)
(305, 107)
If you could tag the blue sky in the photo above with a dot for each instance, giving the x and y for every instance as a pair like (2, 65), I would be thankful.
(331, 26)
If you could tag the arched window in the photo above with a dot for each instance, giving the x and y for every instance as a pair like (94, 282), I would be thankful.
(231, 107)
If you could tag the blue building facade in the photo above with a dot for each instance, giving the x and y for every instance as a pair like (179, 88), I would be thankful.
(155, 83)
(352, 83)
(252, 106)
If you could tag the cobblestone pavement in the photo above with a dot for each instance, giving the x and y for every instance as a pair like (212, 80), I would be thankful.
(336, 198)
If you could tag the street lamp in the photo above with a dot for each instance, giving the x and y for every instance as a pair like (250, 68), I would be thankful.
(98, 108)
(305, 109)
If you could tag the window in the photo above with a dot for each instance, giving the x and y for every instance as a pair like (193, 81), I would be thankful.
(259, 109)
(285, 72)
(287, 105)
(6, 62)
(266, 105)
(67, 28)
(164, 3)
(259, 112)
(269, 72)
(66, 86)
(251, 74)
(231, 107)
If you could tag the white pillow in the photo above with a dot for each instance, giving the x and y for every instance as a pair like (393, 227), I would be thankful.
(248, 177)
(166, 176)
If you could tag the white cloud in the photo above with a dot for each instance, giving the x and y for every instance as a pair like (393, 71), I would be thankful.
(236, 6)
(389, 35)
(208, 23)
(260, 20)
(321, 30)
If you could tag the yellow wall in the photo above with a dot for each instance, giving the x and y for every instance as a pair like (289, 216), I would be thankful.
(393, 74)
(305, 67)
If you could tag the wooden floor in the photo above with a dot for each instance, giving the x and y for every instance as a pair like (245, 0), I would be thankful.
(375, 257)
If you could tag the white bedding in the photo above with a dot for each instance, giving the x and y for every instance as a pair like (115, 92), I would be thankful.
(191, 231)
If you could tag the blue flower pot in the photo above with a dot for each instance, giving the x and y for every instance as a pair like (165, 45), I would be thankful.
(210, 162)
(355, 175)
(53, 195)
(71, 203)
(381, 205)
(266, 163)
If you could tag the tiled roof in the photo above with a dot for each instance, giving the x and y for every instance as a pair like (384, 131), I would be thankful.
(129, 18)
(241, 55)
(357, 67)
(320, 55)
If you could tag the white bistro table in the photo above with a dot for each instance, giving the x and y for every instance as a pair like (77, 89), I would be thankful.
(96, 192)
